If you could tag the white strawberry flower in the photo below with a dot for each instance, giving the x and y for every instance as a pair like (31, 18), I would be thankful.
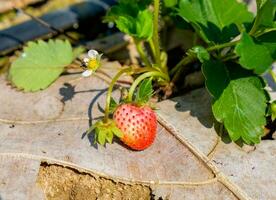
(91, 63)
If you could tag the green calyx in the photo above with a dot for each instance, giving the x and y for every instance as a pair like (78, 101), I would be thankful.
(105, 131)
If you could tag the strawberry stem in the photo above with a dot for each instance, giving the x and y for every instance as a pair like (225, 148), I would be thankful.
(152, 48)
(177, 70)
(155, 36)
(140, 49)
(110, 89)
(141, 78)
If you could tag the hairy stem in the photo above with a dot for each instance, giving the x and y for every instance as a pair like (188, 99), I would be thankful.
(155, 32)
(229, 57)
(176, 71)
(110, 89)
(224, 45)
(256, 22)
(265, 31)
(152, 49)
(141, 78)
(140, 49)
(187, 60)
(144, 69)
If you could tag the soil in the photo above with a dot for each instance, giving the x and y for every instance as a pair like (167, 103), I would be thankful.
(63, 183)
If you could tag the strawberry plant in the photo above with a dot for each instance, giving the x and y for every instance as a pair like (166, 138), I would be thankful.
(236, 48)
(233, 46)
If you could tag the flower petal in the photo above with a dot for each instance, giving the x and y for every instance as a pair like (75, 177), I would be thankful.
(93, 53)
(86, 60)
(87, 73)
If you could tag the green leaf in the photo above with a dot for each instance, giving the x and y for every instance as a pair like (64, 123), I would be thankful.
(214, 20)
(109, 136)
(253, 56)
(105, 131)
(40, 64)
(269, 41)
(170, 3)
(145, 91)
(201, 53)
(265, 13)
(215, 78)
(260, 3)
(78, 51)
(239, 100)
(140, 4)
(140, 27)
(117, 132)
(102, 136)
(133, 18)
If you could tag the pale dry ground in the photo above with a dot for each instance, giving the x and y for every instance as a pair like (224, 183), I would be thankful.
(187, 161)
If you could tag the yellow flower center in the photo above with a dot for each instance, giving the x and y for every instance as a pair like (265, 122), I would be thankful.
(93, 64)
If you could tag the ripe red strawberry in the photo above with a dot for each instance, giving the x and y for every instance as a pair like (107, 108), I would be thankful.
(138, 124)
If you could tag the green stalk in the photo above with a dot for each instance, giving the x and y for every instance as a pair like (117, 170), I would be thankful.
(256, 22)
(224, 45)
(139, 46)
(265, 31)
(114, 80)
(189, 59)
(180, 69)
(152, 48)
(195, 38)
(141, 78)
(229, 57)
(185, 61)
(110, 89)
(155, 32)
(144, 69)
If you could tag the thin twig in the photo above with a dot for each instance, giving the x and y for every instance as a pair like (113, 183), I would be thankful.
(23, 122)
(119, 179)
(221, 177)
(213, 150)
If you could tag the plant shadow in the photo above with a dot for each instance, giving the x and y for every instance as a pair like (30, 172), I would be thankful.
(68, 92)
(198, 104)
(224, 136)
(91, 136)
